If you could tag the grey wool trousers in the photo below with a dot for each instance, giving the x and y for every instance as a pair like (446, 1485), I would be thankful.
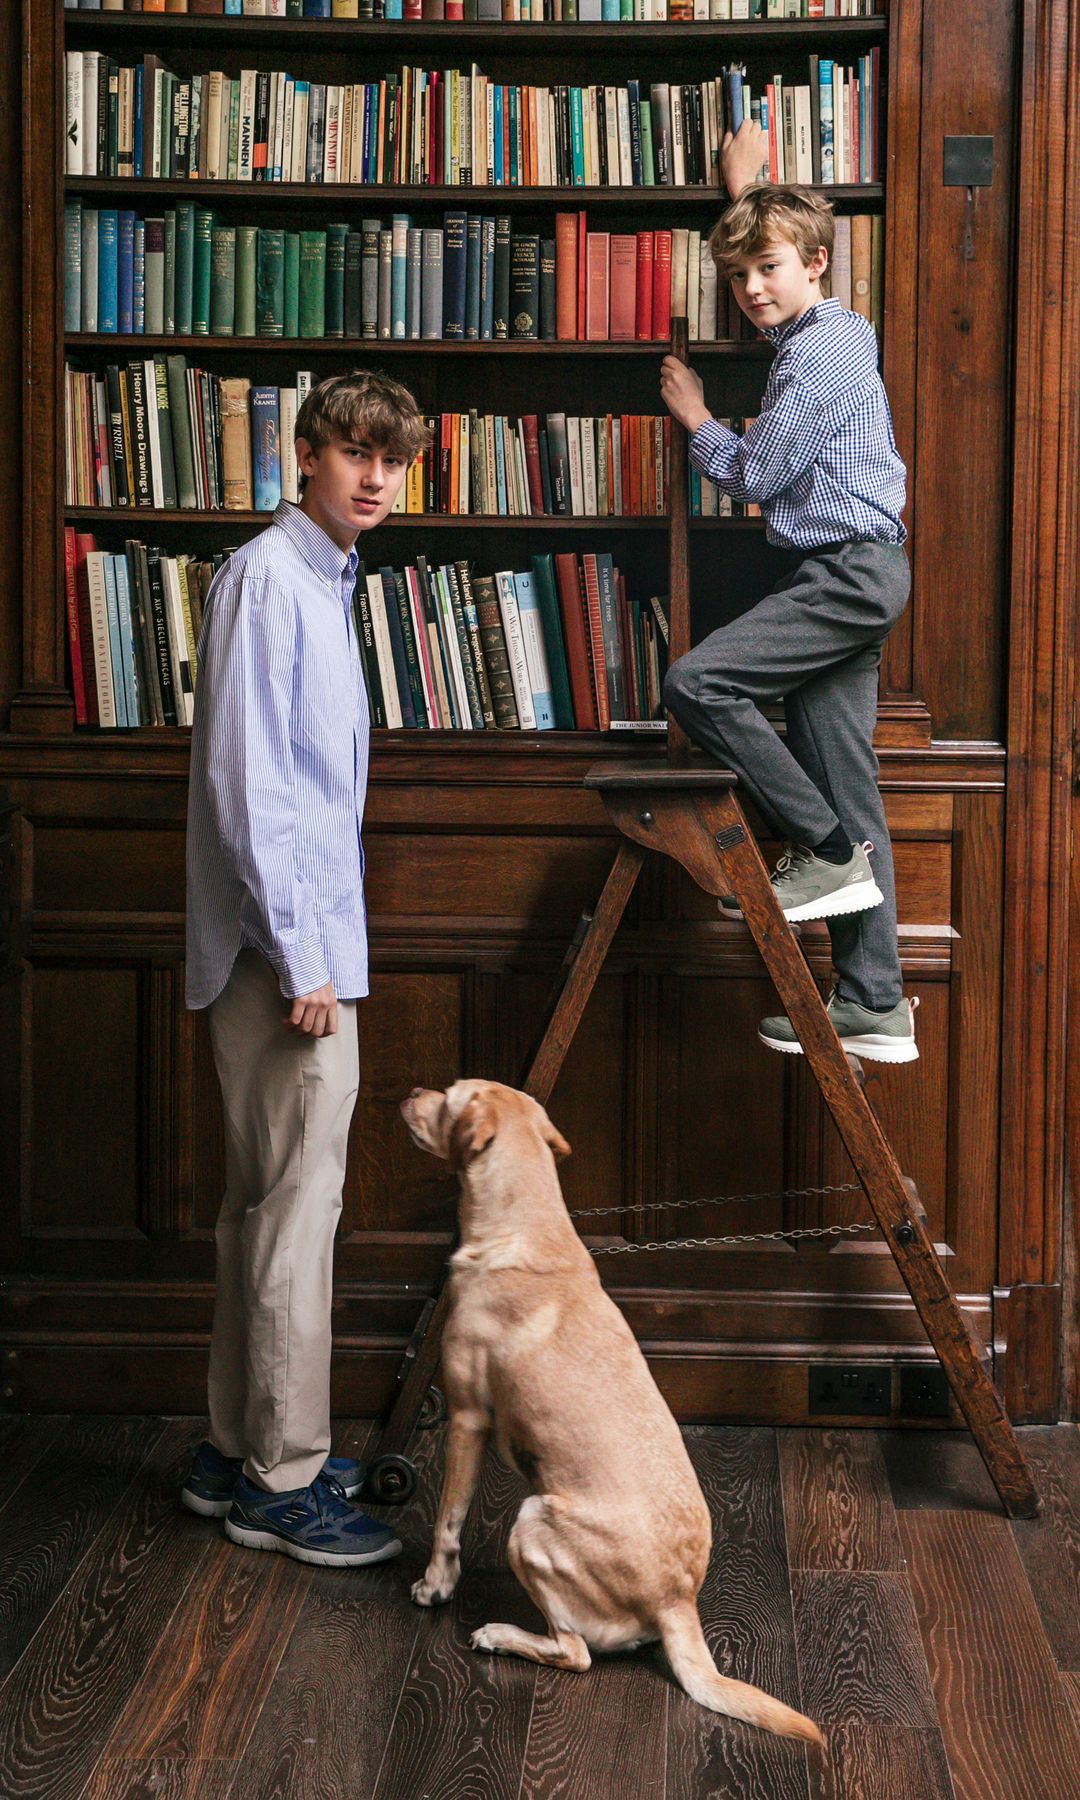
(815, 643)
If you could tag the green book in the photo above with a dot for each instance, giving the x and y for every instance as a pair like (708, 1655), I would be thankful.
(247, 237)
(185, 264)
(223, 281)
(168, 296)
(165, 437)
(547, 601)
(165, 123)
(234, 128)
(648, 173)
(312, 284)
(200, 287)
(335, 279)
(294, 9)
(292, 284)
(270, 284)
(176, 380)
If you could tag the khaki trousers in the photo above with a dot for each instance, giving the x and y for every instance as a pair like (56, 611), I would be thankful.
(288, 1101)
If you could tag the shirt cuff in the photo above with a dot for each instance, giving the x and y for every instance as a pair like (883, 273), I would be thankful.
(709, 437)
(301, 969)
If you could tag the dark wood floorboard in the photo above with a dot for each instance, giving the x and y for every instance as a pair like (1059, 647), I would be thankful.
(745, 1606)
(1049, 1546)
(1009, 1731)
(61, 1700)
(151, 1660)
(51, 1521)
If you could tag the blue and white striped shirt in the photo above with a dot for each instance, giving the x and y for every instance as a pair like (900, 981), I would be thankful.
(279, 764)
(820, 459)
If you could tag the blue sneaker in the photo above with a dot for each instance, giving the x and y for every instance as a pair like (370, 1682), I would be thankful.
(314, 1524)
(208, 1489)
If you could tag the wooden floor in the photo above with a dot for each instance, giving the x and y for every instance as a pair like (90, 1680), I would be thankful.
(867, 1578)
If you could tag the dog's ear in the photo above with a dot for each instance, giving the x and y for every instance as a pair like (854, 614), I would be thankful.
(554, 1139)
(472, 1132)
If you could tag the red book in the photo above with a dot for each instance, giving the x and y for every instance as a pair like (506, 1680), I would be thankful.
(661, 305)
(596, 298)
(531, 429)
(566, 231)
(774, 167)
(84, 543)
(412, 10)
(643, 306)
(506, 136)
(596, 638)
(455, 11)
(582, 236)
(446, 425)
(71, 602)
(623, 287)
(568, 581)
(634, 507)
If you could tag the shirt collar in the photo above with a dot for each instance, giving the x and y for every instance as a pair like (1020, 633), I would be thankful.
(318, 550)
(779, 334)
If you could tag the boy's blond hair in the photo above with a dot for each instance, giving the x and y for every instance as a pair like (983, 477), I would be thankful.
(767, 211)
(363, 405)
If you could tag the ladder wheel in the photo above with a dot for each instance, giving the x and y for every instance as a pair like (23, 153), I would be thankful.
(433, 1410)
(391, 1480)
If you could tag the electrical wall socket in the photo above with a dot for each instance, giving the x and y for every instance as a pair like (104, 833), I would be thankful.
(856, 1390)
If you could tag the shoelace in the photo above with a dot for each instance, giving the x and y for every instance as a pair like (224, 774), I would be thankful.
(793, 858)
(336, 1504)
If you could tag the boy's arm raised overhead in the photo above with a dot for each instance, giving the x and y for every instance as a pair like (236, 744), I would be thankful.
(249, 657)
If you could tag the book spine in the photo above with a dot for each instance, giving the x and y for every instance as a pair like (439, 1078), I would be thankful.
(265, 447)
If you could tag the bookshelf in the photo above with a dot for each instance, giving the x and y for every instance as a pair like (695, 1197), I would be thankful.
(483, 847)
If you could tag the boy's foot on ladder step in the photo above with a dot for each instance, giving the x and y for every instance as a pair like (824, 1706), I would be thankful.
(810, 887)
(878, 1036)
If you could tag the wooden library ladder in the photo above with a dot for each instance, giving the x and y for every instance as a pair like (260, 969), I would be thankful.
(690, 813)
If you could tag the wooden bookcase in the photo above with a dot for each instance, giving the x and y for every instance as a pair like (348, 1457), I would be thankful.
(484, 848)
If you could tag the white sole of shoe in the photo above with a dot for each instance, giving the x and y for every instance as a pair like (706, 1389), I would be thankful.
(325, 1559)
(860, 897)
(874, 1046)
(206, 1509)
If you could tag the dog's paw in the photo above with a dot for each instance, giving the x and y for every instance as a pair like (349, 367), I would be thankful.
(483, 1640)
(429, 1593)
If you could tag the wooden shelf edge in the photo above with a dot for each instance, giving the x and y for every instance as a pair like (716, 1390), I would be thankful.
(753, 348)
(500, 34)
(307, 193)
(108, 515)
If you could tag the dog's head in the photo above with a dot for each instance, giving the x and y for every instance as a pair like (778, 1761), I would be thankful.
(462, 1123)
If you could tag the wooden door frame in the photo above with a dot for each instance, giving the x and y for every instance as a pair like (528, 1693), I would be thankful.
(1041, 690)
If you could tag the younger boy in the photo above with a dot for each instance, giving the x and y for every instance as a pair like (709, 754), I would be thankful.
(277, 951)
(821, 462)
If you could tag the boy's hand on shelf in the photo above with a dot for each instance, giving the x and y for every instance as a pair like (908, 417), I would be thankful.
(314, 1015)
(682, 393)
(743, 156)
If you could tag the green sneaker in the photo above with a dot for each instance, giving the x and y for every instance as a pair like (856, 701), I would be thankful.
(880, 1037)
(808, 887)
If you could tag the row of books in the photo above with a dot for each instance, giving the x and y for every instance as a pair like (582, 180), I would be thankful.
(473, 279)
(133, 622)
(446, 126)
(581, 12)
(159, 433)
(558, 646)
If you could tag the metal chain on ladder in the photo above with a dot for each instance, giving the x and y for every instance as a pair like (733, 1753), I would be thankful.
(747, 1237)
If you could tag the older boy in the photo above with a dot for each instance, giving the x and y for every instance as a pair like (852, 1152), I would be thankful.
(277, 950)
(821, 462)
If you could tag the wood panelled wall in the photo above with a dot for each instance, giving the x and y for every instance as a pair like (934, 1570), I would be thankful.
(482, 856)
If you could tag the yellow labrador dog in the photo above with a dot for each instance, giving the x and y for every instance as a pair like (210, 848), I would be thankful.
(613, 1542)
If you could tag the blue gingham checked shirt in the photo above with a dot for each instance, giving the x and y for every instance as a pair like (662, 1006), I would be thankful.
(279, 764)
(820, 459)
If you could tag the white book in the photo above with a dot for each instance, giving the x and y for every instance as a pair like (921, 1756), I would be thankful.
(804, 158)
(611, 126)
(384, 653)
(91, 60)
(573, 449)
(255, 9)
(588, 468)
(464, 462)
(491, 497)
(285, 84)
(536, 662)
(839, 126)
(300, 125)
(277, 9)
(841, 261)
(626, 161)
(303, 386)
(693, 286)
(616, 464)
(345, 139)
(513, 490)
(678, 145)
(99, 637)
(515, 649)
(287, 130)
(73, 122)
(153, 424)
(244, 159)
(707, 291)
(701, 9)
(332, 144)
(212, 124)
(290, 484)
(740, 9)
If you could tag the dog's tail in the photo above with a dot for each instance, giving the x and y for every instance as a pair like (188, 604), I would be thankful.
(688, 1654)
